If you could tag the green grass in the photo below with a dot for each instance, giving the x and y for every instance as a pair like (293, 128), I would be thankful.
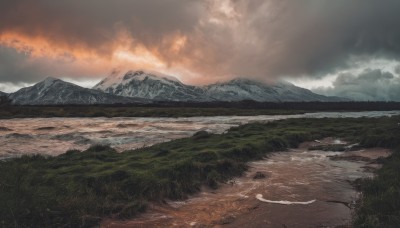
(380, 205)
(77, 189)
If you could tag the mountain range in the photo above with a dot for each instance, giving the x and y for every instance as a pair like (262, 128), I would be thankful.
(143, 87)
(140, 84)
(54, 91)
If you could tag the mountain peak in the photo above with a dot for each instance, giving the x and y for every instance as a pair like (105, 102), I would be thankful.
(241, 80)
(51, 79)
(148, 85)
(141, 75)
(136, 72)
(131, 74)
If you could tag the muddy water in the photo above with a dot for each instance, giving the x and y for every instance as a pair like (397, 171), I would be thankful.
(54, 136)
(298, 175)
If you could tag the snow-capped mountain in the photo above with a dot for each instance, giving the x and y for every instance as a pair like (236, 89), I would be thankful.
(140, 84)
(142, 87)
(245, 89)
(53, 91)
(241, 89)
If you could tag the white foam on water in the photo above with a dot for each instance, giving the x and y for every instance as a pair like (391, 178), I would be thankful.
(338, 141)
(243, 196)
(284, 202)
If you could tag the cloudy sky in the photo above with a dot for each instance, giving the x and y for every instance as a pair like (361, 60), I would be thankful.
(337, 47)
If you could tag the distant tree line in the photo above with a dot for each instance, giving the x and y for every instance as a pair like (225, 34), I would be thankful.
(322, 106)
(249, 104)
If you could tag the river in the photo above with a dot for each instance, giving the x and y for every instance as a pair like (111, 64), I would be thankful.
(301, 188)
(53, 136)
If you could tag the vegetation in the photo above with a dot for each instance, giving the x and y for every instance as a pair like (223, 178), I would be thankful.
(77, 189)
(380, 204)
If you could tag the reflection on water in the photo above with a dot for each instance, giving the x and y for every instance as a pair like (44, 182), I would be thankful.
(54, 136)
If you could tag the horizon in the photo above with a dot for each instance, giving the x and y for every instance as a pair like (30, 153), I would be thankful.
(354, 54)
(92, 85)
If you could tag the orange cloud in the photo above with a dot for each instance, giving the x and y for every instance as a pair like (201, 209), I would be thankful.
(200, 41)
(124, 54)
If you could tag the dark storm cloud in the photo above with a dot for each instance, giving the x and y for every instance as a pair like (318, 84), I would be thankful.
(18, 69)
(314, 37)
(397, 69)
(15, 67)
(262, 39)
(370, 85)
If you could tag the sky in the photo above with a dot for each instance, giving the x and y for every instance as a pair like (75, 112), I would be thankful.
(347, 48)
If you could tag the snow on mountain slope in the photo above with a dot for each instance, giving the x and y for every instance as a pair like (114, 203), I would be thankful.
(241, 89)
(140, 84)
(144, 85)
(245, 89)
(289, 92)
(53, 91)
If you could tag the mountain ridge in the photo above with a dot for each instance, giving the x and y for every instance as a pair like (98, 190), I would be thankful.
(53, 91)
(140, 84)
(141, 87)
(149, 86)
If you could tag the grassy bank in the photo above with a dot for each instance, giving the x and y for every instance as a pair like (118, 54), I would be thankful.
(380, 204)
(79, 188)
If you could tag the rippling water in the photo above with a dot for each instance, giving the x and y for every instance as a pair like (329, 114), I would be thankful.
(291, 176)
(54, 136)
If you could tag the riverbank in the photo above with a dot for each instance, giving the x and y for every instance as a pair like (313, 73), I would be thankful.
(81, 188)
(302, 187)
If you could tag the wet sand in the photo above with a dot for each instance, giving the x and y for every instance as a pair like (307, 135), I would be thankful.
(295, 175)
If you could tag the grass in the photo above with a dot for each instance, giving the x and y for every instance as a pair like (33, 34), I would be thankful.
(77, 189)
(380, 204)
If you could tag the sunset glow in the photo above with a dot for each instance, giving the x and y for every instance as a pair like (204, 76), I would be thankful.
(199, 42)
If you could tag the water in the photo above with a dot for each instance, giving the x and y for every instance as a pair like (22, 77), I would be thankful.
(321, 184)
(53, 136)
